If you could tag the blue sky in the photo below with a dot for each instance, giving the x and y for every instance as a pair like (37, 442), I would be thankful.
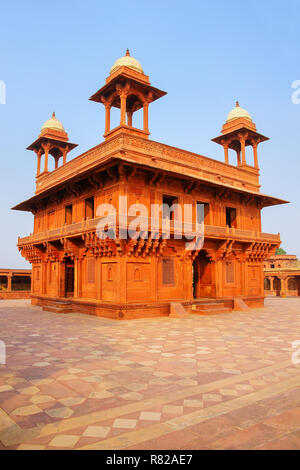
(206, 55)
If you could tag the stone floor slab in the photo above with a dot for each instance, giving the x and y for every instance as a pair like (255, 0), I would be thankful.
(215, 382)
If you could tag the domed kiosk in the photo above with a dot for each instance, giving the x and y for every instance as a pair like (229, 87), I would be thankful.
(129, 89)
(52, 140)
(239, 131)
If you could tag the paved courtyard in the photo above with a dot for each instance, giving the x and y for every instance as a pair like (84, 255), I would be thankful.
(74, 381)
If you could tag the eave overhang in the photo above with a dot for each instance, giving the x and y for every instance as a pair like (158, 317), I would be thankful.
(110, 87)
(232, 134)
(36, 144)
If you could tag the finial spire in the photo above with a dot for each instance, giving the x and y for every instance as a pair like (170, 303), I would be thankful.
(127, 52)
(237, 104)
(53, 114)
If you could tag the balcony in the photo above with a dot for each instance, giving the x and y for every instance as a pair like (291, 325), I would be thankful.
(154, 226)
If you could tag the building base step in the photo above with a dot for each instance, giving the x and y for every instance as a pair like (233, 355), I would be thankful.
(210, 308)
(58, 308)
(177, 310)
(212, 311)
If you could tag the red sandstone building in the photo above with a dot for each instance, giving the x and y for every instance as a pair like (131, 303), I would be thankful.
(282, 275)
(15, 283)
(117, 278)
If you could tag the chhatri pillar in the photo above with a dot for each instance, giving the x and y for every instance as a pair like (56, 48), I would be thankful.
(238, 132)
(128, 89)
(53, 140)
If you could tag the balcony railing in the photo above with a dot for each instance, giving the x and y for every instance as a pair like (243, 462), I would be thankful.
(152, 225)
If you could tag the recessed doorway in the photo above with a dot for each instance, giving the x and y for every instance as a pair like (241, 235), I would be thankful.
(69, 278)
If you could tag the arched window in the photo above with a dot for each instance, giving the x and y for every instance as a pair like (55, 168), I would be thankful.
(267, 284)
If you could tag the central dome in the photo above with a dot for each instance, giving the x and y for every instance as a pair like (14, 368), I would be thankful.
(238, 112)
(53, 123)
(127, 61)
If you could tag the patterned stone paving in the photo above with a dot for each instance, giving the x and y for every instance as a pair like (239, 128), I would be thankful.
(75, 381)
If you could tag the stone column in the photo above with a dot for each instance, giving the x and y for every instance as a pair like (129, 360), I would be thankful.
(61, 279)
(122, 277)
(65, 152)
(9, 282)
(243, 142)
(218, 276)
(44, 276)
(123, 98)
(254, 145)
(226, 153)
(57, 275)
(39, 157)
(76, 283)
(107, 118)
(283, 291)
(241, 265)
(79, 277)
(129, 118)
(46, 149)
(146, 123)
(187, 273)
(271, 285)
(238, 154)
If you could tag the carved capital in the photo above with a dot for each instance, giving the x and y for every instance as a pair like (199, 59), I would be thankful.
(107, 101)
(38, 152)
(46, 146)
(243, 136)
(123, 90)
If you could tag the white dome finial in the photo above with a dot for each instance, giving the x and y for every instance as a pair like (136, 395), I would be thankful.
(238, 112)
(128, 61)
(53, 123)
